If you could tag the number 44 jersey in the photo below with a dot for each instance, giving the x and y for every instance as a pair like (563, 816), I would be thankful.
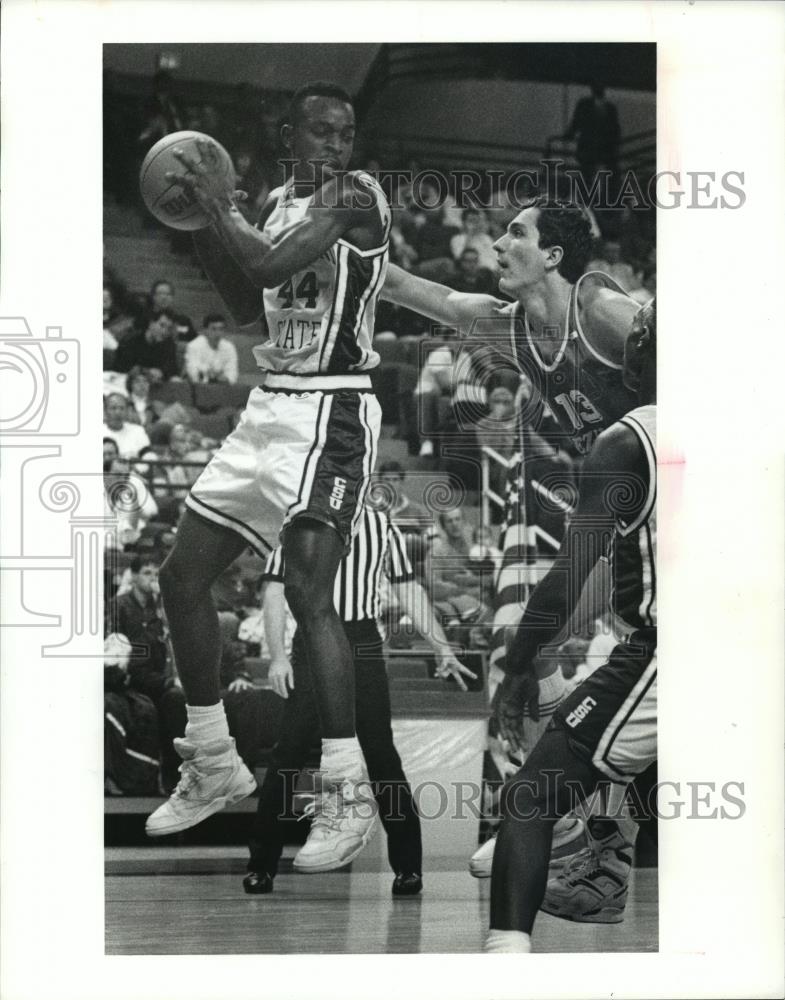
(320, 321)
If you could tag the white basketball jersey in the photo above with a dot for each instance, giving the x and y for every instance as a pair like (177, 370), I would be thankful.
(320, 321)
(634, 559)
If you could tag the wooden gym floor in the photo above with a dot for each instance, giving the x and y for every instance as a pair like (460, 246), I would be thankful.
(190, 901)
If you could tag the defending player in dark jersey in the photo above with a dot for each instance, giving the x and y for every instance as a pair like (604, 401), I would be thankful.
(565, 332)
(566, 329)
(606, 729)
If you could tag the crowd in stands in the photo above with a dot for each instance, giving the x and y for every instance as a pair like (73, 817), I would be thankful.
(173, 391)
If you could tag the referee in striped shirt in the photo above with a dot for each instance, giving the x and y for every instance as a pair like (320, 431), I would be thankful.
(377, 547)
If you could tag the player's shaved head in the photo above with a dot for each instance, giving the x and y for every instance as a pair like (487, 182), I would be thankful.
(318, 88)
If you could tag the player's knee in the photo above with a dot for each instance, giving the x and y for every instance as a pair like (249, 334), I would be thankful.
(179, 583)
(307, 601)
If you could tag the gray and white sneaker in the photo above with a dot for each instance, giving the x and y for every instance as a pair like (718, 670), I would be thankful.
(212, 777)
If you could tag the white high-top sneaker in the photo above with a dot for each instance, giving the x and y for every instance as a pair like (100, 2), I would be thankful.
(212, 777)
(343, 819)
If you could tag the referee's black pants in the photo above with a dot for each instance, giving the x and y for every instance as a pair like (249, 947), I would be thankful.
(300, 732)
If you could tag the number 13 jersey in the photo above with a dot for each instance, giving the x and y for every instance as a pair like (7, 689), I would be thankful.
(584, 391)
(320, 321)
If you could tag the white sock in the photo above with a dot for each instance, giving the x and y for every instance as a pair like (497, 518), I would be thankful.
(206, 724)
(342, 758)
(501, 942)
(552, 691)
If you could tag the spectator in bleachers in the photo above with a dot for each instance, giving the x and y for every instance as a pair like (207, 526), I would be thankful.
(116, 323)
(431, 237)
(171, 446)
(162, 300)
(451, 397)
(403, 230)
(138, 614)
(127, 498)
(140, 406)
(475, 234)
(212, 357)
(131, 744)
(499, 431)
(457, 579)
(470, 277)
(131, 438)
(152, 348)
(176, 413)
(483, 554)
(449, 555)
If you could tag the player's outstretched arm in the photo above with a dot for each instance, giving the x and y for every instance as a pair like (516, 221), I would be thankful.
(614, 479)
(438, 302)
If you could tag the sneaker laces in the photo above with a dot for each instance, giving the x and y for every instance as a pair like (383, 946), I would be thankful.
(583, 862)
(324, 811)
(189, 779)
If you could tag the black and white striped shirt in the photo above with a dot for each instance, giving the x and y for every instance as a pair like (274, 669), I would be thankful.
(377, 547)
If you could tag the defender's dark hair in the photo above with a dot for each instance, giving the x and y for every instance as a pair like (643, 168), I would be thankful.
(564, 224)
(318, 88)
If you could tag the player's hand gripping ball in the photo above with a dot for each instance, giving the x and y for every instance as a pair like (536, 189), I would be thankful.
(177, 204)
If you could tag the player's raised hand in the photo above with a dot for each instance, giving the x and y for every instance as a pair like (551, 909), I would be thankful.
(450, 666)
(512, 696)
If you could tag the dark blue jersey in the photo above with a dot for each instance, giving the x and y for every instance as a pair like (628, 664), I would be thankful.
(582, 389)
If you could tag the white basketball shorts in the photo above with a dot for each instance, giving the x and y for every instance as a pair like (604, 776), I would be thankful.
(295, 452)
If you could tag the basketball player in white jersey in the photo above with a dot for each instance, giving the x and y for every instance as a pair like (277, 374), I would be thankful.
(605, 730)
(299, 461)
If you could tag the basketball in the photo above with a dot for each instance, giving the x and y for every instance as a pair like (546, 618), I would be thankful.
(170, 203)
